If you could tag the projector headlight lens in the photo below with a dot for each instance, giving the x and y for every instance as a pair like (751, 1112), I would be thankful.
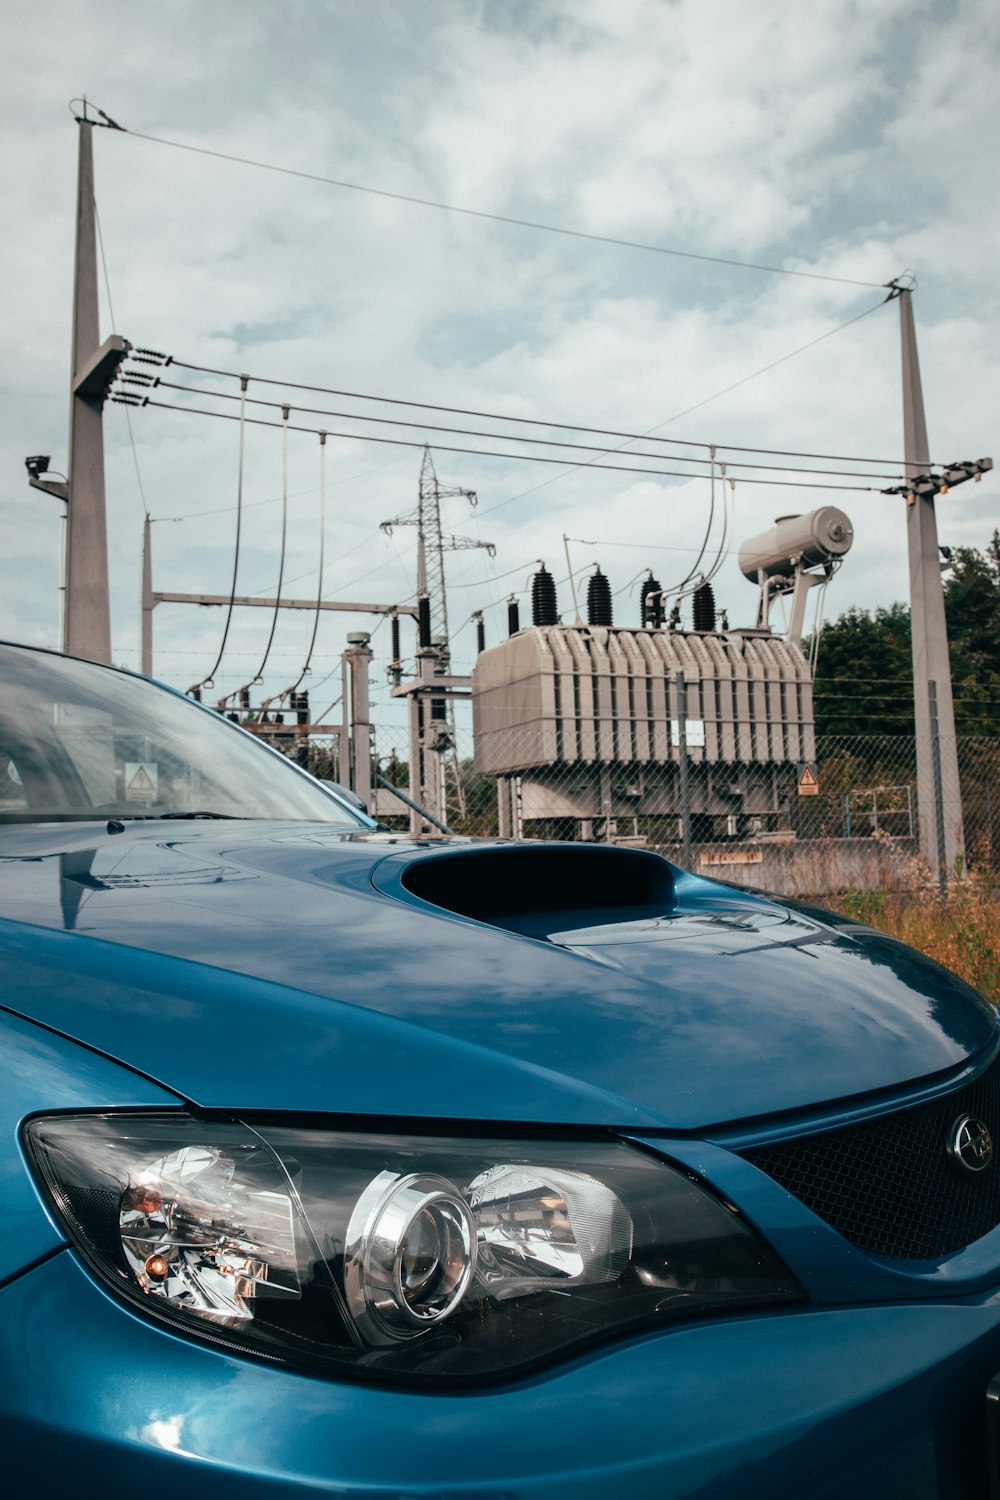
(410, 1255)
(395, 1258)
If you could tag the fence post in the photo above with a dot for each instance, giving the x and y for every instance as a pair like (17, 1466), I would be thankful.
(989, 822)
(682, 767)
(847, 813)
(938, 791)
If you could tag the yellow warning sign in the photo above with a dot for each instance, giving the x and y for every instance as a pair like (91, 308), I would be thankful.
(141, 778)
(808, 781)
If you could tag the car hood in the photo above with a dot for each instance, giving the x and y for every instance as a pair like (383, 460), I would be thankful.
(251, 966)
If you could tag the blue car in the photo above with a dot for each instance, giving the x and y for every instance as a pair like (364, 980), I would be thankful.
(339, 1163)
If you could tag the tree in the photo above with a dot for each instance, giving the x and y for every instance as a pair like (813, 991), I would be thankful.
(972, 600)
(864, 677)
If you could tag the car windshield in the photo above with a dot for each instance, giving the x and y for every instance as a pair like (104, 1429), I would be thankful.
(79, 741)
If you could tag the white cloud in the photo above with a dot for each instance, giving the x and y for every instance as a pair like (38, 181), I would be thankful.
(842, 138)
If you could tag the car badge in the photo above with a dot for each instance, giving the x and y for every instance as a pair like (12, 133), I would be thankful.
(970, 1145)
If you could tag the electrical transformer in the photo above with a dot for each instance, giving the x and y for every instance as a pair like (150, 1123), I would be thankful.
(583, 724)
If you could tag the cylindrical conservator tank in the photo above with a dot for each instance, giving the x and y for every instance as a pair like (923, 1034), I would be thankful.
(586, 718)
(823, 535)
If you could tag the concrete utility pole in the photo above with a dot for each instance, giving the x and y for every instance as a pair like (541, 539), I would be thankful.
(358, 658)
(939, 794)
(86, 606)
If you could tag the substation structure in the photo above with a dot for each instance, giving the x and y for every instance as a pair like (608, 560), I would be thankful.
(592, 728)
(597, 726)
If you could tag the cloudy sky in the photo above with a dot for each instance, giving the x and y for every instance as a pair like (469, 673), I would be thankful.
(853, 141)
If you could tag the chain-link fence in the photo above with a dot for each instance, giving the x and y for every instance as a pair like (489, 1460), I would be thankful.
(846, 819)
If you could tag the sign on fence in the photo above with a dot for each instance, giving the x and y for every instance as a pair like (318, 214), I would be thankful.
(808, 780)
(731, 857)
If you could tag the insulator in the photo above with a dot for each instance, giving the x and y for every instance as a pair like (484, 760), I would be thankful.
(424, 621)
(301, 708)
(396, 651)
(144, 359)
(245, 697)
(704, 607)
(543, 598)
(598, 599)
(513, 617)
(153, 353)
(480, 636)
(438, 709)
(651, 602)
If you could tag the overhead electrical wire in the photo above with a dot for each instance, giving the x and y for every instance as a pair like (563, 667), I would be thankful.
(798, 470)
(207, 680)
(281, 565)
(679, 590)
(223, 510)
(314, 411)
(493, 416)
(495, 578)
(322, 562)
(535, 458)
(521, 494)
(495, 218)
(114, 329)
(289, 692)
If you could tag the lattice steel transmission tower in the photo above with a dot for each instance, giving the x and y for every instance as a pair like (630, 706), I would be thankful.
(433, 751)
(432, 543)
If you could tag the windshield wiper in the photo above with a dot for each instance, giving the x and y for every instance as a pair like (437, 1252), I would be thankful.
(201, 813)
(123, 817)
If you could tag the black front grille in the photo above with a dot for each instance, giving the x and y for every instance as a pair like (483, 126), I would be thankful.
(888, 1185)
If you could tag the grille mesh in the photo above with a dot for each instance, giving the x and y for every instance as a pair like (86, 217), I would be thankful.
(888, 1185)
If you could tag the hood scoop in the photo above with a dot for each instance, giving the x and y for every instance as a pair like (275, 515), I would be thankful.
(540, 891)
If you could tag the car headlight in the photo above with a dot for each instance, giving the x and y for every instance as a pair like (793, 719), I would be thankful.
(399, 1258)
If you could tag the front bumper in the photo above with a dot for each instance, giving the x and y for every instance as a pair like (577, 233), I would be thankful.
(868, 1402)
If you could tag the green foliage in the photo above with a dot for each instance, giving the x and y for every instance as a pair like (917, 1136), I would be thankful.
(864, 677)
(959, 931)
(395, 771)
(972, 600)
(480, 803)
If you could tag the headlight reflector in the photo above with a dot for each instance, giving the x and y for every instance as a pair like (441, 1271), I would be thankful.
(542, 1227)
(392, 1257)
(194, 1236)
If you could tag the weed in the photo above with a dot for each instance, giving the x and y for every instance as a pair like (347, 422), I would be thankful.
(961, 930)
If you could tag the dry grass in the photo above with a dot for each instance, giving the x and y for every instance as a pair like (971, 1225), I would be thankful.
(962, 931)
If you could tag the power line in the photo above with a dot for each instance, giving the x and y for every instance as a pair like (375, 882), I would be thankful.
(224, 510)
(725, 391)
(477, 213)
(535, 458)
(207, 680)
(114, 329)
(493, 416)
(314, 411)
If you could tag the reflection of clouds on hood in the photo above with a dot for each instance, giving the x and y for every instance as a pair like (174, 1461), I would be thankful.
(829, 139)
(337, 997)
